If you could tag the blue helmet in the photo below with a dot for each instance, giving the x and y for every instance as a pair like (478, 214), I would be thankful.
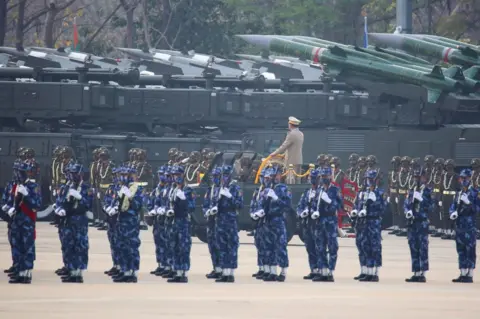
(314, 174)
(177, 169)
(75, 168)
(326, 171)
(216, 171)
(227, 170)
(466, 173)
(168, 170)
(371, 174)
(161, 170)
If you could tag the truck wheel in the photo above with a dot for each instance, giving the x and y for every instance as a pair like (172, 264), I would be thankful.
(201, 233)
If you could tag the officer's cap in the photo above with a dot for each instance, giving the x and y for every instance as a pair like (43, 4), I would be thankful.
(371, 173)
(294, 121)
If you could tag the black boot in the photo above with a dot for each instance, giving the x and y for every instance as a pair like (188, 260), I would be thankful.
(402, 233)
(62, 271)
(178, 279)
(262, 276)
(229, 278)
(9, 270)
(107, 272)
(13, 275)
(20, 280)
(412, 279)
(73, 279)
(159, 271)
(153, 272)
(281, 278)
(270, 277)
(170, 274)
(259, 273)
(366, 278)
(463, 279)
(319, 278)
(214, 275)
(126, 279)
(310, 276)
(359, 277)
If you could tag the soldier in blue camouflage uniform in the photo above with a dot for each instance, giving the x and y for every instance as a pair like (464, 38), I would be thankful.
(259, 236)
(306, 206)
(328, 201)
(27, 201)
(157, 210)
(109, 201)
(359, 224)
(7, 203)
(417, 207)
(130, 202)
(463, 211)
(211, 202)
(78, 201)
(372, 210)
(230, 200)
(275, 202)
(183, 200)
(167, 204)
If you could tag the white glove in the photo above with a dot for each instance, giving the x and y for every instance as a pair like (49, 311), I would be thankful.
(113, 211)
(22, 190)
(272, 195)
(170, 212)
(440, 204)
(464, 198)
(325, 198)
(388, 199)
(409, 214)
(160, 211)
(225, 192)
(181, 195)
(105, 208)
(50, 187)
(254, 216)
(98, 195)
(153, 212)
(75, 194)
(260, 213)
(61, 212)
(5, 208)
(354, 213)
(315, 215)
(362, 213)
(372, 197)
(207, 213)
(57, 209)
(396, 200)
(418, 196)
(213, 211)
(54, 192)
(11, 211)
(125, 191)
(454, 215)
(304, 214)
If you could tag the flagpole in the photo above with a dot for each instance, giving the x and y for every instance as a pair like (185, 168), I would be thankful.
(365, 30)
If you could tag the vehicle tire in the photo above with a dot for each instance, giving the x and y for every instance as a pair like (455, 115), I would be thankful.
(201, 233)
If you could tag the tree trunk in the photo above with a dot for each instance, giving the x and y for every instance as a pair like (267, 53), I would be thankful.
(3, 21)
(19, 26)
(146, 29)
(129, 38)
(48, 38)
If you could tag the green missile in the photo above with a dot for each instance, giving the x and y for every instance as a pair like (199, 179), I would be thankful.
(462, 48)
(415, 46)
(447, 40)
(401, 55)
(337, 62)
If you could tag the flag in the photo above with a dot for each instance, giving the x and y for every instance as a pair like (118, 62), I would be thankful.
(75, 33)
(365, 29)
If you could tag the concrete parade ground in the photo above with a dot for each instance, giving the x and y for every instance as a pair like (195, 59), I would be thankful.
(153, 297)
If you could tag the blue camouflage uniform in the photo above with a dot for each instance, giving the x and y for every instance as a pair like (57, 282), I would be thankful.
(275, 202)
(167, 203)
(360, 230)
(306, 206)
(230, 200)
(417, 206)
(78, 201)
(130, 203)
(156, 208)
(109, 201)
(374, 207)
(7, 203)
(260, 227)
(64, 230)
(210, 201)
(183, 200)
(328, 202)
(463, 211)
(26, 203)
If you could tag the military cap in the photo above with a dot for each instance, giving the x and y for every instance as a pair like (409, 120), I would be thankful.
(406, 159)
(475, 162)
(449, 162)
(294, 121)
(372, 159)
(429, 159)
(396, 160)
(466, 173)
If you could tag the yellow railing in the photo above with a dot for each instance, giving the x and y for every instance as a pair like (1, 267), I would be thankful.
(290, 169)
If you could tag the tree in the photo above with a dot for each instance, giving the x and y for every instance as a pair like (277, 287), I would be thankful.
(54, 7)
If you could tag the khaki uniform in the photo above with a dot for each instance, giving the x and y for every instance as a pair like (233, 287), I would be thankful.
(293, 149)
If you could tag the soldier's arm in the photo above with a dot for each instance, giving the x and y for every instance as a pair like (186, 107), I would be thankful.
(254, 202)
(34, 199)
(237, 196)
(87, 198)
(136, 203)
(453, 207)
(284, 196)
(334, 205)
(302, 203)
(190, 199)
(285, 145)
(407, 204)
(206, 201)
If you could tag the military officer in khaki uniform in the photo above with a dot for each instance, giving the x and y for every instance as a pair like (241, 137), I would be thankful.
(292, 147)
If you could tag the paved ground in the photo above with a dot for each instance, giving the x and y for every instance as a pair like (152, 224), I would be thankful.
(152, 297)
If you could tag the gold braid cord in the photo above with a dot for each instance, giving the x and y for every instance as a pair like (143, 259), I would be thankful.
(278, 160)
